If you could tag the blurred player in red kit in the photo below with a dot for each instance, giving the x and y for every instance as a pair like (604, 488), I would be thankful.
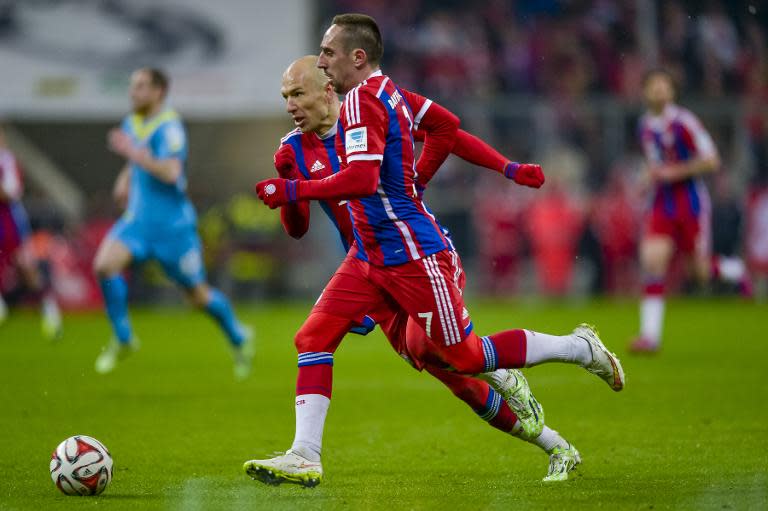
(400, 256)
(15, 250)
(679, 152)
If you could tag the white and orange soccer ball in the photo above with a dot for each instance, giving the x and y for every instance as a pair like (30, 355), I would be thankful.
(81, 465)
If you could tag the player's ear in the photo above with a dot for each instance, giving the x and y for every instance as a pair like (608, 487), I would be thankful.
(359, 57)
(329, 92)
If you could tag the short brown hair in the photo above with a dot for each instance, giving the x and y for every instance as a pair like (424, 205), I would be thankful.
(158, 78)
(361, 31)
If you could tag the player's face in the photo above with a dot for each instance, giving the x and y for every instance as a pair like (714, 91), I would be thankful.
(305, 101)
(144, 95)
(658, 91)
(336, 63)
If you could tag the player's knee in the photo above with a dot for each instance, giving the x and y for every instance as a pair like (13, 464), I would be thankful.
(459, 386)
(303, 339)
(321, 333)
(653, 263)
(198, 296)
(417, 347)
(468, 365)
(655, 255)
(103, 268)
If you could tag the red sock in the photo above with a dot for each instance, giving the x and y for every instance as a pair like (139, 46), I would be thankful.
(654, 288)
(315, 379)
(505, 420)
(509, 349)
(485, 402)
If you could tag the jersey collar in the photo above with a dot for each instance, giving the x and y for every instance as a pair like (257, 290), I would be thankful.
(144, 127)
(375, 73)
(328, 134)
(658, 122)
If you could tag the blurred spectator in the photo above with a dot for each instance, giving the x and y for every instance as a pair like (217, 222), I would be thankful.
(554, 223)
(614, 218)
(500, 227)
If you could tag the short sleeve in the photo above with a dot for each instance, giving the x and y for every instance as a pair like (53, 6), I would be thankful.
(419, 106)
(170, 141)
(364, 120)
(647, 142)
(702, 141)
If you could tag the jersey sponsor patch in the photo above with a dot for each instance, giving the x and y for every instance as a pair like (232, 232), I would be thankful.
(175, 137)
(356, 140)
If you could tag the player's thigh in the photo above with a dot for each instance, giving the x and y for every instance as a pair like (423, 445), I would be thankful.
(117, 250)
(344, 302)
(321, 332)
(393, 322)
(425, 289)
(350, 293)
(421, 351)
(199, 295)
(181, 257)
(697, 246)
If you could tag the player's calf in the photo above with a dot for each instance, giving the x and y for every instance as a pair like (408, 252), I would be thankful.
(514, 389)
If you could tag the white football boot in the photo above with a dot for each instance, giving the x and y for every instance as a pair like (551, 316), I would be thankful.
(243, 354)
(50, 322)
(290, 467)
(114, 352)
(562, 460)
(513, 387)
(604, 364)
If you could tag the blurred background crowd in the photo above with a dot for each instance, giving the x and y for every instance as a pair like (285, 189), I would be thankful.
(557, 82)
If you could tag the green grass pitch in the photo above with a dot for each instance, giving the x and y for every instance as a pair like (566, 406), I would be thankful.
(688, 432)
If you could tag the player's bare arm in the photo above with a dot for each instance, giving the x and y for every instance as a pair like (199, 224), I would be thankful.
(122, 187)
(673, 172)
(167, 170)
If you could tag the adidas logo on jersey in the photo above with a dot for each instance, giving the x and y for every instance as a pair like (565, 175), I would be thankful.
(318, 165)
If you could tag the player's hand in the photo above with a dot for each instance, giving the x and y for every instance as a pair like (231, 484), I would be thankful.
(285, 163)
(665, 173)
(525, 174)
(120, 142)
(277, 191)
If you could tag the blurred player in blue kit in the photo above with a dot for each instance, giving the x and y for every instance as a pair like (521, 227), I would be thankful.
(159, 222)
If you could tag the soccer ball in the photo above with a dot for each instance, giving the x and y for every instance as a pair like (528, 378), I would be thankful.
(81, 465)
